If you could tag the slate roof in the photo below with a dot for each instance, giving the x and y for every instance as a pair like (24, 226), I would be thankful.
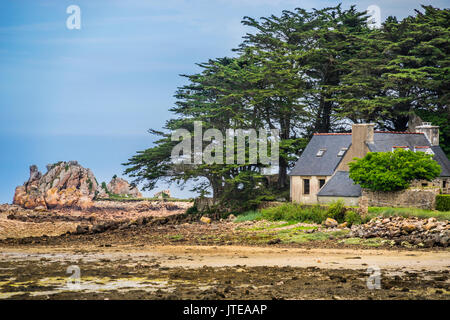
(310, 165)
(384, 141)
(442, 159)
(340, 185)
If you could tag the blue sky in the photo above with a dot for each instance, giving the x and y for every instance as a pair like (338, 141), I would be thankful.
(91, 94)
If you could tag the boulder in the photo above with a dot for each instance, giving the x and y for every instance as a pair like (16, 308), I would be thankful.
(205, 220)
(120, 187)
(430, 225)
(82, 229)
(162, 194)
(444, 241)
(65, 184)
(330, 223)
(409, 227)
(343, 225)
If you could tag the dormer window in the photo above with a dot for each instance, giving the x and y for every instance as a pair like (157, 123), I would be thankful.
(406, 148)
(321, 152)
(425, 149)
(342, 152)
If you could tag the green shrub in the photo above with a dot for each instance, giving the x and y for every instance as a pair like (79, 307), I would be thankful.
(352, 217)
(192, 210)
(294, 212)
(336, 210)
(443, 202)
(391, 171)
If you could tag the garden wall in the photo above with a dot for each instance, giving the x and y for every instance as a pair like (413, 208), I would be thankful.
(409, 198)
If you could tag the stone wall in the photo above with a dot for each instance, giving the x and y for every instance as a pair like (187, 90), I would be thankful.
(269, 204)
(409, 198)
(441, 182)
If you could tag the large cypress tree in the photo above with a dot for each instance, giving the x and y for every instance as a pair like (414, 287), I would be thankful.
(401, 68)
(297, 61)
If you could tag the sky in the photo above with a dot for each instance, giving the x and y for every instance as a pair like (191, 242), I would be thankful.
(91, 94)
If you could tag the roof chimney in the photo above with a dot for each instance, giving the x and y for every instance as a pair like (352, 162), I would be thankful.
(430, 131)
(362, 134)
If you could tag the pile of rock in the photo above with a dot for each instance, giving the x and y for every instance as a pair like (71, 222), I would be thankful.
(406, 231)
(65, 184)
(118, 186)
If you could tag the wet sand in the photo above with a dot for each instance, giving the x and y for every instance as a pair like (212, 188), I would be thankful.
(221, 272)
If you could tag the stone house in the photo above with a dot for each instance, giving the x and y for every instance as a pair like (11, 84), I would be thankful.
(321, 173)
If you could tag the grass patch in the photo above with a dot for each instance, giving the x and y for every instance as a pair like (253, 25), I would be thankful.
(372, 242)
(351, 241)
(276, 225)
(248, 216)
(294, 236)
(176, 237)
(408, 212)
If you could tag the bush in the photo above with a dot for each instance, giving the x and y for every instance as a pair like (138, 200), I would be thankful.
(392, 171)
(192, 210)
(294, 212)
(336, 211)
(443, 202)
(352, 217)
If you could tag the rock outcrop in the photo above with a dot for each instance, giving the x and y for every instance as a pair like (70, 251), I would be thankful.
(120, 187)
(65, 184)
(162, 194)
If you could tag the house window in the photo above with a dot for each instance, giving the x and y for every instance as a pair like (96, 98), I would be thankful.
(341, 152)
(424, 184)
(444, 184)
(425, 149)
(321, 182)
(305, 186)
(320, 152)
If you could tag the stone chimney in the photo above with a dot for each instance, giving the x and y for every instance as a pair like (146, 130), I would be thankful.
(362, 134)
(430, 131)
